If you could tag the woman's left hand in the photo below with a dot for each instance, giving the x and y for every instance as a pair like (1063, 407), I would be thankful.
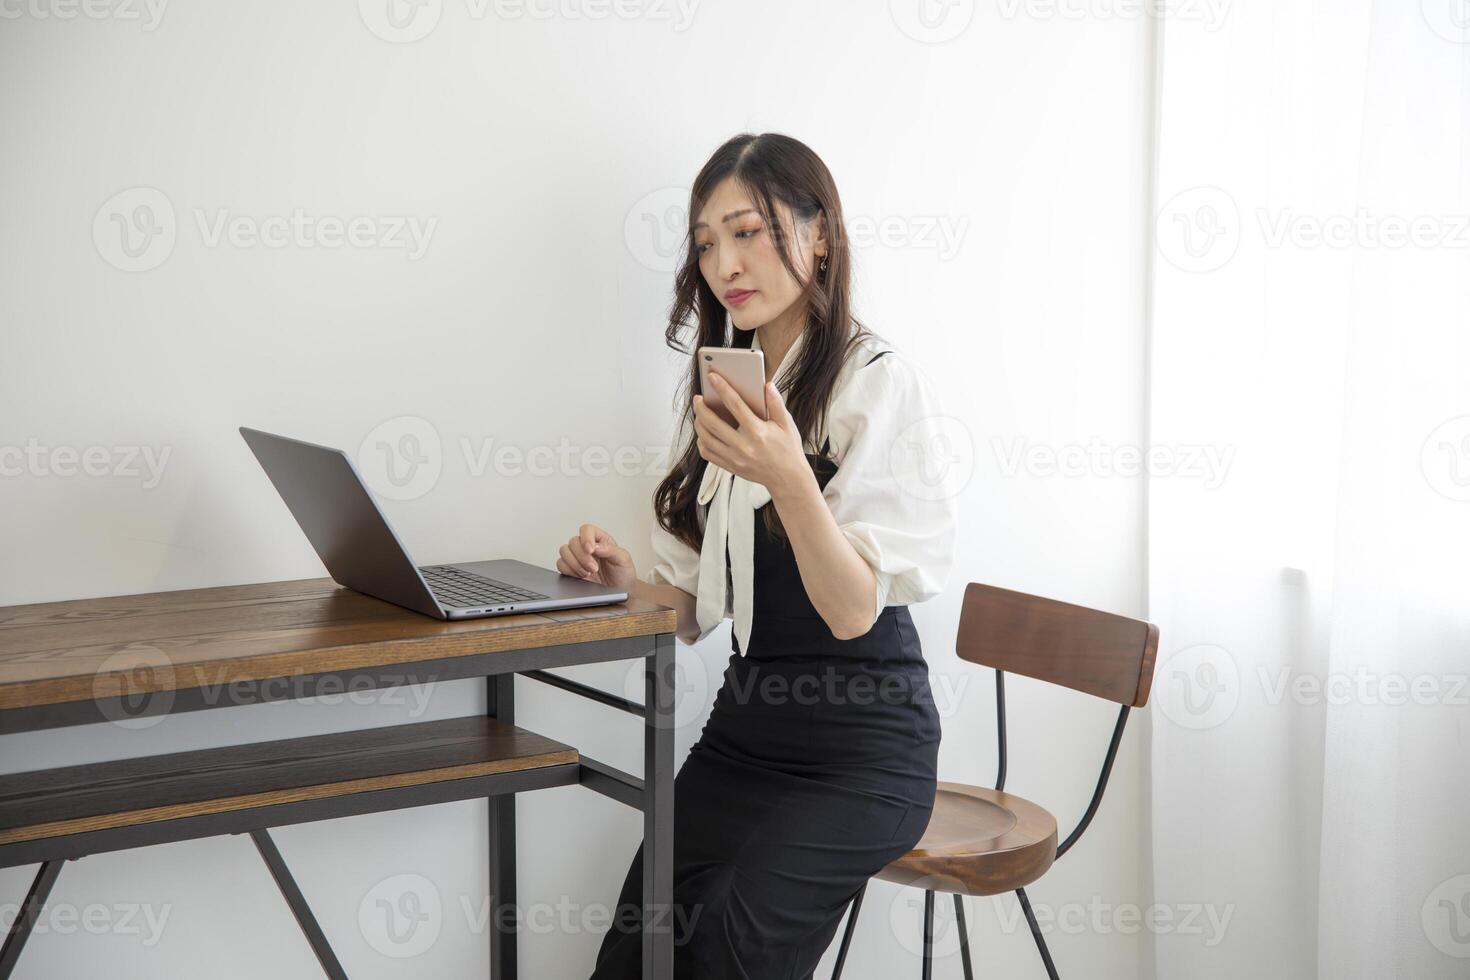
(766, 452)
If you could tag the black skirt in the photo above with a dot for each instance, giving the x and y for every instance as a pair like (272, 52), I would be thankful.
(817, 767)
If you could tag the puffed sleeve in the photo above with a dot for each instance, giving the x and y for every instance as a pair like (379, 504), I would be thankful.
(674, 562)
(677, 564)
(889, 495)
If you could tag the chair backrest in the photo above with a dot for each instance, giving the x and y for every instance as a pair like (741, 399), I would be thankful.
(1087, 650)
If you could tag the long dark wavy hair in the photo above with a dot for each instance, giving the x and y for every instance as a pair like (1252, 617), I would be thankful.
(771, 167)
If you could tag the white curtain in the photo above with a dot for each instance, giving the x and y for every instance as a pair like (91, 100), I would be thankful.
(1309, 510)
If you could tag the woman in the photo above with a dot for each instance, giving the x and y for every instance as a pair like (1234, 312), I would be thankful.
(817, 765)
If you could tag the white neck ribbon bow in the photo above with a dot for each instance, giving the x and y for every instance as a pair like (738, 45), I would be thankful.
(729, 523)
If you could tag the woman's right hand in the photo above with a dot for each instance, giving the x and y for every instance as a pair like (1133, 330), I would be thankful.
(594, 556)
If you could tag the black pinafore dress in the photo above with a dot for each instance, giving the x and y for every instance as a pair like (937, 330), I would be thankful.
(817, 767)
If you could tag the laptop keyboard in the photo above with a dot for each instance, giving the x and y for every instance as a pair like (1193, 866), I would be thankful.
(457, 587)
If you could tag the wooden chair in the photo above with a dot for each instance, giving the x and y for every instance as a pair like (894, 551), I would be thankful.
(986, 841)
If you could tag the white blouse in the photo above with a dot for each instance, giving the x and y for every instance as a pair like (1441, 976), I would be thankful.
(883, 421)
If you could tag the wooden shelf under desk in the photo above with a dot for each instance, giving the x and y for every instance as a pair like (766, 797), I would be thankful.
(102, 796)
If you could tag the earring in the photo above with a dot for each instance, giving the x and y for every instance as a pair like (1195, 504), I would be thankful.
(823, 266)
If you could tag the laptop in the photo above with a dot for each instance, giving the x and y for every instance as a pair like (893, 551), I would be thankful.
(328, 498)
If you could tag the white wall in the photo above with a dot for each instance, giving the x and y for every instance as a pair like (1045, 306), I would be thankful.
(543, 149)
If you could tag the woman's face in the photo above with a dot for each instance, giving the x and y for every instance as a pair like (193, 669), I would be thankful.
(739, 259)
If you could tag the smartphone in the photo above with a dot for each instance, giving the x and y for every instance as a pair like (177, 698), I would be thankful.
(744, 369)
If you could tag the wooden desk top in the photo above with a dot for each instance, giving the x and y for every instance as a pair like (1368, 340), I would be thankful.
(56, 652)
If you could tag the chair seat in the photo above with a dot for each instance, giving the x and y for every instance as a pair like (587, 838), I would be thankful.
(979, 842)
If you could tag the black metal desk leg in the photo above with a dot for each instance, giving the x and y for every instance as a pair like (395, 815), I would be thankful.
(658, 812)
(26, 916)
(292, 894)
(500, 703)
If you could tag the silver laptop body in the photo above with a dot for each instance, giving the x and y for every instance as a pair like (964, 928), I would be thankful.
(328, 498)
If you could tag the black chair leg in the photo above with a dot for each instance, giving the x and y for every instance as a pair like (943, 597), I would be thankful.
(959, 918)
(1051, 969)
(857, 903)
(928, 934)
